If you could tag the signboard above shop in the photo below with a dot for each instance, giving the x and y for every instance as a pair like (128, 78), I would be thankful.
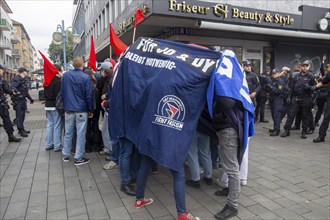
(208, 11)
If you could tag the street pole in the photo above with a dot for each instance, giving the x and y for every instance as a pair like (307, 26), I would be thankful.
(63, 42)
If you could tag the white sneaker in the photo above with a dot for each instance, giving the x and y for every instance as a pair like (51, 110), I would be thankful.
(218, 182)
(110, 165)
(243, 182)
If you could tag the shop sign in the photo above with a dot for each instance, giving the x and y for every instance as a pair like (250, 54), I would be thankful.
(231, 12)
(130, 20)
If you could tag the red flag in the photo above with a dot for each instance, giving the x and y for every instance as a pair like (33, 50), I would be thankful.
(92, 56)
(139, 16)
(116, 42)
(50, 70)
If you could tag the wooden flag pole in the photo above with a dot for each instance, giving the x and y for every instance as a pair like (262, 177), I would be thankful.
(134, 32)
(110, 51)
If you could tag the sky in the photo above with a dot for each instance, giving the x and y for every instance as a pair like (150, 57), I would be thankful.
(41, 17)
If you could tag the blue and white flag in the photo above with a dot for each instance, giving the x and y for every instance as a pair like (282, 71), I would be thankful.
(158, 95)
(229, 80)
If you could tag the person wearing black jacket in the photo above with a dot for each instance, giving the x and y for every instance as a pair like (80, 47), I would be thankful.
(4, 113)
(301, 94)
(228, 117)
(54, 119)
(264, 79)
(20, 86)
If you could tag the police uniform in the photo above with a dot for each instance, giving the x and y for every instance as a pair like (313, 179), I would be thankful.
(252, 81)
(301, 99)
(264, 79)
(277, 90)
(4, 113)
(21, 86)
(326, 118)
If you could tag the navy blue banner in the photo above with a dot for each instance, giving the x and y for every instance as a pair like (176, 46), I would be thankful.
(158, 95)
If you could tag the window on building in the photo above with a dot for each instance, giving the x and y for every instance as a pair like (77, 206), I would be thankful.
(107, 16)
(103, 21)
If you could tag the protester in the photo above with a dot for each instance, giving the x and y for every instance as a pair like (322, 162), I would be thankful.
(4, 113)
(54, 119)
(93, 134)
(77, 95)
(20, 86)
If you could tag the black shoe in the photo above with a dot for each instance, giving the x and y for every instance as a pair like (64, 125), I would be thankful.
(286, 133)
(195, 184)
(303, 135)
(264, 120)
(128, 190)
(12, 138)
(22, 133)
(226, 213)
(319, 139)
(310, 131)
(275, 133)
(208, 180)
(58, 149)
(28, 132)
(271, 130)
(50, 148)
(295, 128)
(223, 192)
(81, 162)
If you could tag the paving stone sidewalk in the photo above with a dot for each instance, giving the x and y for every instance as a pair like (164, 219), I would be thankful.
(288, 179)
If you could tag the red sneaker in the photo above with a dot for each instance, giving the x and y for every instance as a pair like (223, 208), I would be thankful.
(187, 216)
(139, 203)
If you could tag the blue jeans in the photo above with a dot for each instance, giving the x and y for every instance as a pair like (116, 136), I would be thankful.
(54, 129)
(114, 154)
(129, 162)
(199, 150)
(178, 183)
(72, 120)
(105, 134)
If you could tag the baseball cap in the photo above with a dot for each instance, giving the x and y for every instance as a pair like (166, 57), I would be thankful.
(22, 69)
(275, 70)
(306, 62)
(106, 65)
(246, 63)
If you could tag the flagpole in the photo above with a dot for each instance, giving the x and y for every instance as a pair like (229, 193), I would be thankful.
(134, 32)
(110, 51)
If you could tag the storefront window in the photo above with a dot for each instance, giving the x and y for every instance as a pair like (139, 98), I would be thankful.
(237, 50)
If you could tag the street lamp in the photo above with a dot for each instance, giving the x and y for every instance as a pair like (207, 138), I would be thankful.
(59, 37)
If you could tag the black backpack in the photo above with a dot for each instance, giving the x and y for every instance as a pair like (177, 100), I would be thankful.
(59, 104)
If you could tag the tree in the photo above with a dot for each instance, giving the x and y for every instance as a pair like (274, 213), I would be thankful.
(56, 51)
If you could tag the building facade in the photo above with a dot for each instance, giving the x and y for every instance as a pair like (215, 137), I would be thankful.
(16, 49)
(266, 32)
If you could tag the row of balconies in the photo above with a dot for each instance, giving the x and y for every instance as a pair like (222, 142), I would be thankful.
(4, 25)
(5, 45)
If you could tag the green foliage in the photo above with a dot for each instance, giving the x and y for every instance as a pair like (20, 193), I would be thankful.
(56, 51)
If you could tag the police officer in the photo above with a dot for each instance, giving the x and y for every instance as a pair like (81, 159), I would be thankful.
(326, 119)
(20, 86)
(252, 80)
(301, 99)
(277, 89)
(4, 88)
(264, 79)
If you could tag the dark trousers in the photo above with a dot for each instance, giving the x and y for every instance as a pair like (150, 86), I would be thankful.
(326, 119)
(20, 114)
(305, 105)
(276, 107)
(320, 102)
(260, 108)
(4, 113)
